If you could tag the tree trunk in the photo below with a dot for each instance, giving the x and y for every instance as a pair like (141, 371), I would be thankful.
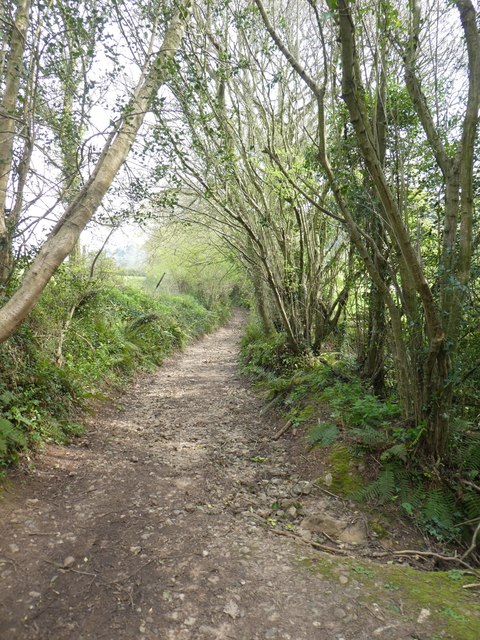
(67, 231)
(8, 124)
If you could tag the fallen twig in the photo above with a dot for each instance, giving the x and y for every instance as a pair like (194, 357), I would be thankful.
(426, 554)
(405, 553)
(469, 483)
(62, 568)
(43, 533)
(473, 544)
(311, 543)
(280, 433)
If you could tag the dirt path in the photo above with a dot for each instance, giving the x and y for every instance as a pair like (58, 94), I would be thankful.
(152, 526)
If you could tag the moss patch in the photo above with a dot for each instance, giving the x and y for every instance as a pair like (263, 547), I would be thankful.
(404, 591)
(378, 529)
(341, 463)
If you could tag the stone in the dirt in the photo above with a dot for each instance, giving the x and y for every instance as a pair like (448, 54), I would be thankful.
(14, 548)
(68, 562)
(343, 579)
(292, 512)
(339, 613)
(381, 630)
(232, 609)
(302, 488)
(424, 615)
(336, 529)
(322, 523)
(354, 534)
(305, 534)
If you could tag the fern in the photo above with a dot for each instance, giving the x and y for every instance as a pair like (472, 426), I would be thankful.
(439, 509)
(470, 457)
(370, 437)
(472, 505)
(381, 490)
(323, 434)
(52, 432)
(397, 451)
(10, 436)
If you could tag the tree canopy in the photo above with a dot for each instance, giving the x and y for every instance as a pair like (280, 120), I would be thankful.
(331, 147)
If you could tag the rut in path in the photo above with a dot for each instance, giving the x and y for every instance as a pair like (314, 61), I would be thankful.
(148, 527)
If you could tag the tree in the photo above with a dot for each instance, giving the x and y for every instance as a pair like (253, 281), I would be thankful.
(425, 306)
(62, 239)
(245, 160)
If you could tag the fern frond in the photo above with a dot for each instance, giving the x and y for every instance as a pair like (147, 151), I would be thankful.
(472, 505)
(10, 435)
(382, 489)
(439, 507)
(323, 434)
(369, 436)
(397, 451)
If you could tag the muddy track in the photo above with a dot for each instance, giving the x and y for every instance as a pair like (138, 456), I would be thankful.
(153, 525)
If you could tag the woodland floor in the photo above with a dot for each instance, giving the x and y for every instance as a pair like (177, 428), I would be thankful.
(157, 524)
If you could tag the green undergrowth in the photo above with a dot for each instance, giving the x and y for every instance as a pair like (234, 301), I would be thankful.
(370, 453)
(85, 338)
(454, 611)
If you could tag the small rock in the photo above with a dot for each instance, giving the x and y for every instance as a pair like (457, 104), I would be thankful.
(328, 479)
(68, 562)
(134, 459)
(292, 512)
(305, 534)
(232, 609)
(380, 630)
(343, 579)
(339, 613)
(14, 548)
(302, 488)
(34, 594)
(424, 615)
(323, 523)
(190, 621)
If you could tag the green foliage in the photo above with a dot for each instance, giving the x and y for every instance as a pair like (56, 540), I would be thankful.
(353, 405)
(189, 261)
(323, 434)
(106, 332)
(382, 490)
(267, 353)
(10, 436)
(361, 424)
